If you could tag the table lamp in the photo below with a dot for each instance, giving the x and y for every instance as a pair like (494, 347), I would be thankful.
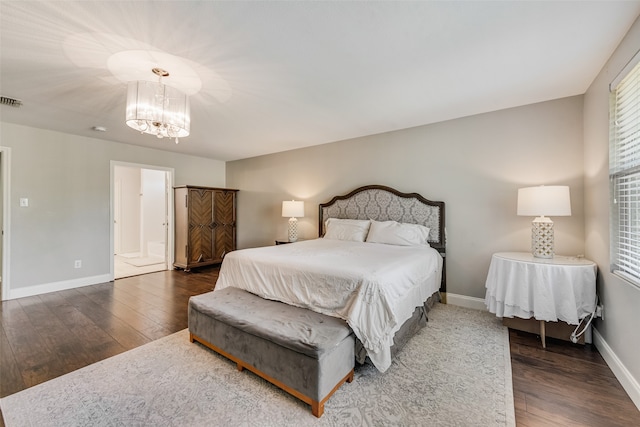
(293, 209)
(551, 200)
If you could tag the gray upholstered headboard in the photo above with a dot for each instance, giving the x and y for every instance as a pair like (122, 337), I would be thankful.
(385, 204)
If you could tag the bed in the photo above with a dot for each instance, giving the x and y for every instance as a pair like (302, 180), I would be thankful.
(378, 264)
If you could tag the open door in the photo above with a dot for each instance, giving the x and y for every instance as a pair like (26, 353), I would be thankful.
(141, 208)
(5, 189)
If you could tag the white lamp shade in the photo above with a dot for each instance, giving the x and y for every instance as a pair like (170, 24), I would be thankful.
(293, 209)
(157, 109)
(544, 200)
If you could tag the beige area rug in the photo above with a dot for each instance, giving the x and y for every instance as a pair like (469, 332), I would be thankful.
(455, 372)
(130, 255)
(144, 261)
(123, 269)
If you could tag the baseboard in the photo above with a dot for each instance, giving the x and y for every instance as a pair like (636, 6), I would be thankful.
(57, 286)
(627, 381)
(465, 301)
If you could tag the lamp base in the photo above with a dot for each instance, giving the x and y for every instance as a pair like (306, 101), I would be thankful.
(542, 237)
(293, 229)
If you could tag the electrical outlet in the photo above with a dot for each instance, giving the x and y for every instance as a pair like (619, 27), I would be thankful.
(600, 311)
(78, 264)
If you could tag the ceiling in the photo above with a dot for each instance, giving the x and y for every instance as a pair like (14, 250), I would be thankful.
(271, 76)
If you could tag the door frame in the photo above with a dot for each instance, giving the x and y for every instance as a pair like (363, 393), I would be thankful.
(5, 158)
(170, 174)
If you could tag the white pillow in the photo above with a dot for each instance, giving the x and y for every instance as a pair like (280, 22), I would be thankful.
(395, 233)
(347, 229)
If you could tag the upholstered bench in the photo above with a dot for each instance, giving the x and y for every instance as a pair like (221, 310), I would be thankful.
(307, 354)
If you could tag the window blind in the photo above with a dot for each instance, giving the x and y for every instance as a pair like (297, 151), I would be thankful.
(624, 174)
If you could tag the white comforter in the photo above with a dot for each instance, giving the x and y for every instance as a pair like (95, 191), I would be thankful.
(374, 287)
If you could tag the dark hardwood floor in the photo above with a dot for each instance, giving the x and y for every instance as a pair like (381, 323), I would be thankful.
(566, 385)
(45, 336)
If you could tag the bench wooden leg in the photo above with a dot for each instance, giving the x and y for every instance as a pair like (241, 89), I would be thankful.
(317, 408)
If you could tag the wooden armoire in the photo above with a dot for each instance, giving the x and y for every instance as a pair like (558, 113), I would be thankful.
(205, 225)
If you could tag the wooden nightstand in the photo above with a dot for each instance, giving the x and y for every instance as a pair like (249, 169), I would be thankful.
(558, 289)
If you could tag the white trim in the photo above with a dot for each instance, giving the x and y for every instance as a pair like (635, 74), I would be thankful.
(57, 286)
(626, 278)
(6, 221)
(170, 230)
(465, 301)
(625, 70)
(623, 375)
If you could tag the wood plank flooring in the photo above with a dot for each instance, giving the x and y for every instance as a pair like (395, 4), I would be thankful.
(45, 336)
(565, 385)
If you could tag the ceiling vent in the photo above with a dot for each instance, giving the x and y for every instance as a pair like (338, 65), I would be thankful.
(12, 102)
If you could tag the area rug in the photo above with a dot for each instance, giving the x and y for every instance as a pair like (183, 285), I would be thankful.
(144, 261)
(455, 372)
(129, 255)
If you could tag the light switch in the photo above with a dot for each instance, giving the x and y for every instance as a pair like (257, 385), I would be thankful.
(24, 202)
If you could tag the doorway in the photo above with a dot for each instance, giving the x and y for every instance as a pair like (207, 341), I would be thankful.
(142, 217)
(5, 188)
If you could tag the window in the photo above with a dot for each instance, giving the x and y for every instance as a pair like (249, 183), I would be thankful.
(624, 175)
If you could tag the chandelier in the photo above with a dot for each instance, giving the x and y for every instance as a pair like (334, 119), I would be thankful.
(157, 109)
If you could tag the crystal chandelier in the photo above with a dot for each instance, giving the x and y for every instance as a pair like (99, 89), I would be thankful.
(157, 109)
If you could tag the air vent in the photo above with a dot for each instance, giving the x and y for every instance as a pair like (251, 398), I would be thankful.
(12, 102)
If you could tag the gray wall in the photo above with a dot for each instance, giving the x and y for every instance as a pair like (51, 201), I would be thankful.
(474, 164)
(67, 181)
(621, 300)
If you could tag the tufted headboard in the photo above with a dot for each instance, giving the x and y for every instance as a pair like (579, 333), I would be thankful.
(382, 203)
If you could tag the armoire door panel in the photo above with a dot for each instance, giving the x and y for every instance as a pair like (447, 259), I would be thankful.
(201, 209)
(224, 208)
(225, 240)
(201, 244)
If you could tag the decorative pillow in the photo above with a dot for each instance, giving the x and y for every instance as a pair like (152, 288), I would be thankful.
(395, 233)
(347, 229)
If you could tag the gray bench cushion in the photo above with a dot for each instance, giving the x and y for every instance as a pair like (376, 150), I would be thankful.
(295, 328)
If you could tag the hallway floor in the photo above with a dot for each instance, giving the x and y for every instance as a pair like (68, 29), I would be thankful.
(125, 265)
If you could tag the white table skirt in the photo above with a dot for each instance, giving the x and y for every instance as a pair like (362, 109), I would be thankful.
(561, 288)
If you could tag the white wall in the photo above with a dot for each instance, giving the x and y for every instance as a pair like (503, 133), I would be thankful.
(618, 335)
(67, 181)
(475, 164)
